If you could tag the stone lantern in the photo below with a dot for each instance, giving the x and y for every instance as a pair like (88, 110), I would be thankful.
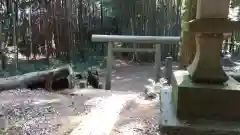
(203, 96)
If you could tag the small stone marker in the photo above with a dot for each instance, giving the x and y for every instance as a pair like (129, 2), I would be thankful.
(168, 69)
(100, 85)
(83, 84)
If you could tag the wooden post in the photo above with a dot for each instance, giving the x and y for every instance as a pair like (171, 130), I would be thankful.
(1, 37)
(2, 45)
(157, 63)
(168, 69)
(135, 55)
(109, 66)
(30, 30)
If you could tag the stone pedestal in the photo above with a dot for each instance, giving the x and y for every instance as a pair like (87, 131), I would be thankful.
(206, 66)
(170, 124)
(205, 101)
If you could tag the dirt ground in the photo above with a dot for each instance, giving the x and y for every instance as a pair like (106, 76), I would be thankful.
(43, 113)
(138, 118)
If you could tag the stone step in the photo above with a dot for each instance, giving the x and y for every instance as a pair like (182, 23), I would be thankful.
(170, 124)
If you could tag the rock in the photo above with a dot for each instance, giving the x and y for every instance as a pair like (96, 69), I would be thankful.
(149, 92)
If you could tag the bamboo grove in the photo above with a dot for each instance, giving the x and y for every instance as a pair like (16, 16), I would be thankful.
(54, 28)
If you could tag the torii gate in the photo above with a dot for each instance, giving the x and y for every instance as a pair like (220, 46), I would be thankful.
(204, 100)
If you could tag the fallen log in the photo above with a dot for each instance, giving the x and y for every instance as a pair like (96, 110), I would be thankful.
(228, 62)
(53, 79)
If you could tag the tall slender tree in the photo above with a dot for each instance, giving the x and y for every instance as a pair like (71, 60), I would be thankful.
(188, 43)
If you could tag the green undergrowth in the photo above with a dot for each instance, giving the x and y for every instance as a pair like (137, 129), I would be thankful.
(78, 64)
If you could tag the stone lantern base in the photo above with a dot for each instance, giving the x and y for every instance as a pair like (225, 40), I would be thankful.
(200, 109)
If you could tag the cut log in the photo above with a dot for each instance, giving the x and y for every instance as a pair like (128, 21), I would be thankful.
(54, 79)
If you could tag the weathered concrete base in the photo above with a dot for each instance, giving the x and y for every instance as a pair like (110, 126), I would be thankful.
(171, 125)
(204, 68)
(205, 101)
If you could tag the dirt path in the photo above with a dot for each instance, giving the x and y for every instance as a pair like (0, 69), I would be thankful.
(141, 116)
(131, 77)
(44, 113)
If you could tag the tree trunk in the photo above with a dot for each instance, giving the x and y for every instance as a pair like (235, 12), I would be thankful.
(55, 79)
(3, 55)
(80, 24)
(188, 43)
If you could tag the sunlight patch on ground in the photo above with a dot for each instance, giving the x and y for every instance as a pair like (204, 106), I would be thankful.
(42, 101)
(122, 80)
(101, 119)
(142, 101)
(121, 63)
(131, 128)
(119, 77)
(94, 101)
(89, 91)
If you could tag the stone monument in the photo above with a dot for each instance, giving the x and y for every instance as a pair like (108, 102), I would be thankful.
(204, 100)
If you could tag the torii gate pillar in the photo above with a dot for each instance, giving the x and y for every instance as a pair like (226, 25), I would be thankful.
(203, 96)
